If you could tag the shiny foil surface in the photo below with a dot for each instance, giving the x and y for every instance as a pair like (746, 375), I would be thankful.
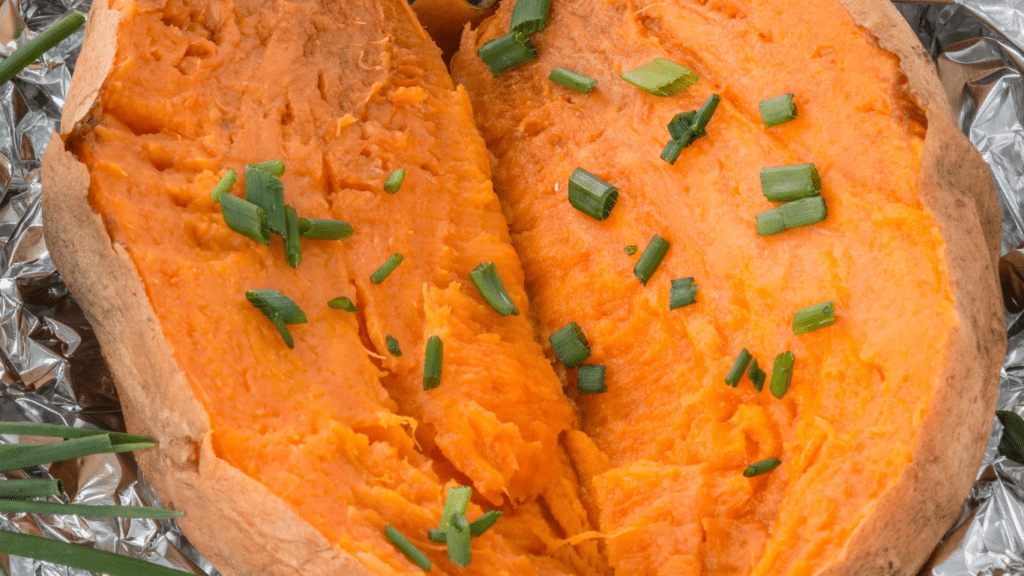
(51, 369)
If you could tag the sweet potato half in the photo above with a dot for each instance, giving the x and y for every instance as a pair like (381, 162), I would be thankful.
(292, 461)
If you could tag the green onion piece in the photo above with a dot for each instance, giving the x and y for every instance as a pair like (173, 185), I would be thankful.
(393, 347)
(590, 379)
(266, 191)
(756, 375)
(60, 431)
(762, 467)
(1013, 430)
(661, 77)
(510, 51)
(454, 525)
(488, 283)
(225, 184)
(456, 502)
(459, 545)
(530, 16)
(787, 183)
(591, 195)
(246, 218)
(651, 259)
(37, 46)
(437, 536)
(386, 268)
(573, 80)
(411, 552)
(432, 363)
(27, 489)
(739, 366)
(80, 557)
(814, 317)
(273, 167)
(394, 181)
(281, 310)
(679, 127)
(36, 454)
(459, 522)
(282, 327)
(342, 303)
(777, 110)
(23, 507)
(631, 249)
(292, 238)
(704, 114)
(672, 151)
(318, 229)
(484, 523)
(570, 345)
(782, 374)
(684, 293)
(791, 215)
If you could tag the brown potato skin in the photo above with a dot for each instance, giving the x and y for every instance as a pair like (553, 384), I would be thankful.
(243, 529)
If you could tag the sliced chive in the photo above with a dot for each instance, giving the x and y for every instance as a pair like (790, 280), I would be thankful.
(814, 317)
(394, 181)
(411, 552)
(590, 379)
(788, 183)
(36, 454)
(246, 218)
(60, 431)
(573, 80)
(459, 522)
(591, 195)
(661, 77)
(318, 229)
(782, 374)
(37, 46)
(23, 507)
(437, 536)
(342, 303)
(393, 347)
(27, 489)
(80, 557)
(651, 259)
(386, 268)
(756, 375)
(680, 127)
(1011, 443)
(456, 502)
(225, 184)
(530, 16)
(432, 363)
(266, 191)
(282, 328)
(273, 167)
(672, 151)
(488, 283)
(739, 366)
(510, 51)
(791, 215)
(292, 238)
(281, 310)
(484, 523)
(684, 293)
(630, 250)
(777, 110)
(570, 345)
(762, 467)
(459, 544)
(704, 114)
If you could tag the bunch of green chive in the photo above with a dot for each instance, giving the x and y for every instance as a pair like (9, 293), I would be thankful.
(515, 48)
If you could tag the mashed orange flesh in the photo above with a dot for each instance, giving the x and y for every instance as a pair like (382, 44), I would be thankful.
(664, 448)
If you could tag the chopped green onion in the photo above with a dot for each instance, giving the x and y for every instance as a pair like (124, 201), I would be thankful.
(651, 259)
(60, 431)
(292, 238)
(680, 127)
(791, 215)
(273, 167)
(246, 218)
(787, 183)
(342, 303)
(36, 454)
(762, 467)
(510, 51)
(225, 184)
(386, 268)
(411, 552)
(456, 502)
(266, 191)
(459, 545)
(530, 16)
(661, 77)
(684, 293)
(590, 379)
(432, 363)
(437, 536)
(26, 489)
(631, 249)
(23, 507)
(488, 283)
(282, 328)
(80, 557)
(687, 127)
(570, 345)
(573, 80)
(777, 110)
(318, 229)
(738, 368)
(672, 151)
(37, 46)
(393, 347)
(591, 195)
(782, 374)
(756, 375)
(394, 181)
(484, 523)
(281, 310)
(814, 317)
(704, 114)
(1011, 444)
(459, 522)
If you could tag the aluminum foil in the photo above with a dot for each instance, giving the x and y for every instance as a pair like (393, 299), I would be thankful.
(51, 369)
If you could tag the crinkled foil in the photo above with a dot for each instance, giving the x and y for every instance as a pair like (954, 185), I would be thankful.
(51, 369)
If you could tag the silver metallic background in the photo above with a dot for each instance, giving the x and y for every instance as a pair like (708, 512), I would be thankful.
(51, 369)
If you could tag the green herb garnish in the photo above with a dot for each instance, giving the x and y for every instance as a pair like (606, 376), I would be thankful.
(273, 167)
(590, 379)
(661, 77)
(762, 467)
(28, 489)
(488, 283)
(791, 215)
(510, 51)
(225, 184)
(788, 183)
(814, 317)
(591, 195)
(386, 268)
(393, 347)
(683, 293)
(266, 191)
(342, 303)
(79, 557)
(432, 364)
(38, 46)
(782, 374)
(570, 345)
(651, 259)
(246, 218)
(281, 310)
(756, 375)
(318, 229)
(572, 80)
(411, 552)
(739, 366)
(394, 181)
(777, 110)
(292, 238)
(530, 16)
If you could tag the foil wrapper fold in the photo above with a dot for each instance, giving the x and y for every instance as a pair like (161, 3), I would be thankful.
(51, 369)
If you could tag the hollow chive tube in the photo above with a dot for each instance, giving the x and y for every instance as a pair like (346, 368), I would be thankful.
(483, 523)
(459, 544)
(651, 259)
(788, 183)
(756, 375)
(530, 16)
(782, 374)
(570, 345)
(739, 366)
(683, 293)
(590, 379)
(342, 303)
(591, 195)
(792, 215)
(386, 268)
(292, 238)
(432, 363)
(777, 110)
(393, 346)
(661, 77)
(394, 182)
(672, 151)
(246, 218)
(319, 229)
(572, 80)
(266, 191)
(762, 467)
(411, 552)
(225, 184)
(510, 51)
(704, 114)
(38, 46)
(488, 283)
(814, 317)
(273, 167)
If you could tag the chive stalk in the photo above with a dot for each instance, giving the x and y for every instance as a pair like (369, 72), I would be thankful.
(590, 379)
(791, 215)
(394, 182)
(630, 250)
(292, 238)
(273, 167)
(756, 375)
(386, 268)
(393, 346)
(318, 229)
(570, 345)
(782, 374)
(591, 195)
(454, 525)
(651, 259)
(673, 149)
(661, 77)
(484, 523)
(530, 16)
(510, 51)
(342, 303)
(683, 293)
(762, 467)
(682, 128)
(280, 309)
(28, 489)
(25, 507)
(788, 183)
(225, 184)
(739, 366)
(488, 283)
(777, 110)
(432, 363)
(38, 46)
(246, 218)
(266, 191)
(437, 536)
(411, 552)
(61, 431)
(79, 557)
(36, 454)
(569, 79)
(814, 317)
